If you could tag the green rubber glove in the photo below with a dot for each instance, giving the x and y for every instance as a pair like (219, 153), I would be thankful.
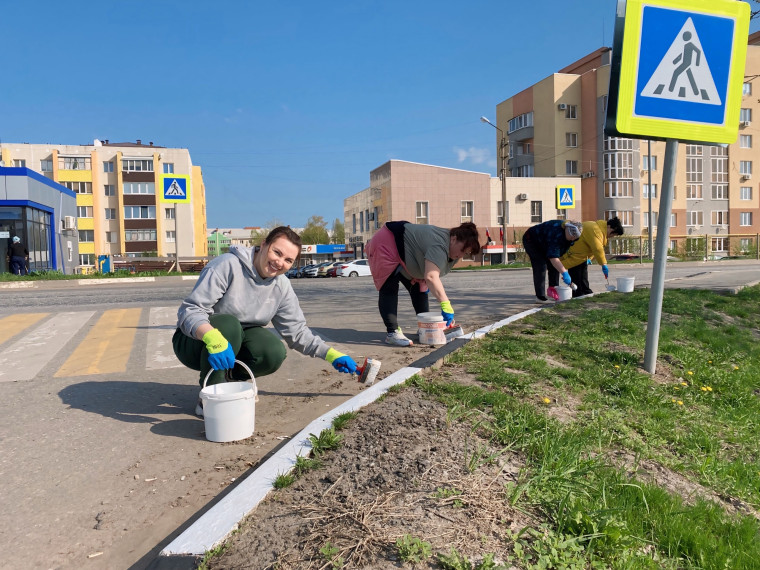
(220, 353)
(340, 361)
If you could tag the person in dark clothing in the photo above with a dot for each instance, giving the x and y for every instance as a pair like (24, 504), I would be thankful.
(18, 256)
(545, 243)
(593, 240)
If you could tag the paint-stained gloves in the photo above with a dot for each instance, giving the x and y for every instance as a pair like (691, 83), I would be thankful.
(340, 361)
(220, 353)
(566, 278)
(606, 271)
(447, 312)
(552, 292)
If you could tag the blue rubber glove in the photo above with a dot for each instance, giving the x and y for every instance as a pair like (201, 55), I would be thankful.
(588, 262)
(340, 361)
(566, 278)
(447, 312)
(220, 353)
(606, 271)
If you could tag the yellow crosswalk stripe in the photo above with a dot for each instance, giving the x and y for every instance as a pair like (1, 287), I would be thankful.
(14, 324)
(106, 347)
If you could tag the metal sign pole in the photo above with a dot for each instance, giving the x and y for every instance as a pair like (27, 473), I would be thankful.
(661, 256)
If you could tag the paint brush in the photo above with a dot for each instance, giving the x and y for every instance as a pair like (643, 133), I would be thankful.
(367, 372)
(452, 332)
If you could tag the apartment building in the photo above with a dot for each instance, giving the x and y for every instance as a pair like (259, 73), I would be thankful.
(556, 128)
(448, 197)
(120, 207)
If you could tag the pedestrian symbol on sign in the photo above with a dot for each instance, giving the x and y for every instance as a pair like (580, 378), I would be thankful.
(683, 74)
(175, 190)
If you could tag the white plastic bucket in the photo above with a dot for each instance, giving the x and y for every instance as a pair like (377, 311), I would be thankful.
(229, 408)
(565, 293)
(625, 284)
(430, 328)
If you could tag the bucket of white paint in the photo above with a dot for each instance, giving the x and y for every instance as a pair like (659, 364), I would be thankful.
(625, 284)
(229, 408)
(430, 328)
(565, 293)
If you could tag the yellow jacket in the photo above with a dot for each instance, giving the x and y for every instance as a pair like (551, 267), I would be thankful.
(591, 244)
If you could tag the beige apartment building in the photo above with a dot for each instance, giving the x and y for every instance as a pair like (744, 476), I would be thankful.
(120, 196)
(556, 128)
(448, 197)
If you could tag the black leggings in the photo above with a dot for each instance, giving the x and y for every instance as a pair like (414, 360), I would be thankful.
(388, 300)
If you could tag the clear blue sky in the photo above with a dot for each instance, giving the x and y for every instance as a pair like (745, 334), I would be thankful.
(286, 106)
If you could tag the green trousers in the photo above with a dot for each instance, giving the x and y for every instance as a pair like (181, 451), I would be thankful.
(262, 351)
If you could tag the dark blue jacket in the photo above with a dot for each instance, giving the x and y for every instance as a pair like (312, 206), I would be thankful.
(549, 237)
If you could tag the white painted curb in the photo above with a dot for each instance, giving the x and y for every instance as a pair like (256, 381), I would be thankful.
(115, 280)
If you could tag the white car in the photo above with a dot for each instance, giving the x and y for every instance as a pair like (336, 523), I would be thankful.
(354, 268)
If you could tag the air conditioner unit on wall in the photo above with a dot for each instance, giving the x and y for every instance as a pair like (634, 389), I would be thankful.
(746, 176)
(522, 196)
(746, 123)
(588, 174)
(69, 223)
(561, 106)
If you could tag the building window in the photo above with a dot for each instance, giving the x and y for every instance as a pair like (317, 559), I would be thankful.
(171, 236)
(139, 212)
(521, 121)
(645, 190)
(650, 162)
(617, 143)
(536, 212)
(86, 235)
(86, 259)
(361, 222)
(618, 189)
(500, 212)
(110, 213)
(746, 193)
(168, 168)
(19, 163)
(645, 219)
(354, 226)
(747, 89)
(562, 214)
(79, 187)
(571, 112)
(111, 237)
(109, 190)
(745, 167)
(744, 244)
(673, 222)
(719, 244)
(625, 216)
(719, 191)
(376, 218)
(108, 166)
(618, 165)
(745, 115)
(745, 218)
(694, 218)
(719, 217)
(571, 139)
(74, 163)
(519, 149)
(693, 150)
(466, 211)
(571, 167)
(693, 191)
(84, 211)
(524, 171)
(169, 213)
(140, 235)
(137, 165)
(745, 141)
(46, 165)
(139, 188)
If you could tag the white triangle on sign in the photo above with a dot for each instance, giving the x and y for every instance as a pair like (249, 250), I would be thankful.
(175, 189)
(566, 199)
(683, 74)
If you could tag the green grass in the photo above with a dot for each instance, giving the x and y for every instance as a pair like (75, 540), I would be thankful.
(699, 417)
(50, 275)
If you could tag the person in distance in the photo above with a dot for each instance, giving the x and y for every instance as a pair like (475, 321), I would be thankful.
(593, 240)
(545, 243)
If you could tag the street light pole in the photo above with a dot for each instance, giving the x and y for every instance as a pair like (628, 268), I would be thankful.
(503, 144)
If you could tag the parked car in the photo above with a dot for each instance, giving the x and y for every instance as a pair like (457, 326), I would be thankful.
(293, 273)
(324, 268)
(331, 271)
(354, 268)
(312, 270)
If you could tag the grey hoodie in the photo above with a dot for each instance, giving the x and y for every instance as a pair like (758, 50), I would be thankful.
(230, 285)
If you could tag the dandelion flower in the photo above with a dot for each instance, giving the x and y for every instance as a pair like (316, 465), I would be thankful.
(672, 399)
(690, 373)
(676, 387)
(709, 388)
(709, 362)
(736, 367)
(684, 383)
(680, 403)
(616, 366)
(703, 389)
(547, 401)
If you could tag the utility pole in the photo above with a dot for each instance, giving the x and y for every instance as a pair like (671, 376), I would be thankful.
(503, 146)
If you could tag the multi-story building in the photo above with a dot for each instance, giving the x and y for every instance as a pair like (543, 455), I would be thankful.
(119, 189)
(556, 128)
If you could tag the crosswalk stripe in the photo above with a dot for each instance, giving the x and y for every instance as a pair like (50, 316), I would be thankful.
(159, 352)
(106, 348)
(24, 359)
(14, 324)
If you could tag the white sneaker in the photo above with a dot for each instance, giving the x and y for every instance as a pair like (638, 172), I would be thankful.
(199, 408)
(397, 338)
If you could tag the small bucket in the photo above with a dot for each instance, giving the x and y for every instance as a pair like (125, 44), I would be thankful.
(565, 293)
(430, 328)
(229, 408)
(625, 284)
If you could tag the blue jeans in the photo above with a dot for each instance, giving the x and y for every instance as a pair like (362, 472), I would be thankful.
(18, 265)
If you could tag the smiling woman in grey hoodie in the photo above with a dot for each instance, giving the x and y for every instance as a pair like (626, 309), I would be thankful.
(236, 296)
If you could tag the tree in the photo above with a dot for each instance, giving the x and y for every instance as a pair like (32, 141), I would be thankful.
(338, 231)
(315, 231)
(257, 236)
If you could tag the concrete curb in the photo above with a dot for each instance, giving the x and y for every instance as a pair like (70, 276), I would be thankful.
(216, 524)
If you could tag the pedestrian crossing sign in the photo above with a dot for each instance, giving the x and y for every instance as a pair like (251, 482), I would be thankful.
(176, 188)
(565, 197)
(681, 69)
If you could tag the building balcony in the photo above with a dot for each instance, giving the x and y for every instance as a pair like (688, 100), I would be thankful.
(521, 134)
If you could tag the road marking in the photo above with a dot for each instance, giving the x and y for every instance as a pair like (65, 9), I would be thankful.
(159, 352)
(14, 324)
(24, 359)
(106, 347)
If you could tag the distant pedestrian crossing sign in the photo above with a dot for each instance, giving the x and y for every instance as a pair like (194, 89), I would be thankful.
(565, 197)
(681, 69)
(175, 188)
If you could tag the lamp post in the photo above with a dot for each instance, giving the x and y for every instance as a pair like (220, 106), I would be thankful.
(503, 175)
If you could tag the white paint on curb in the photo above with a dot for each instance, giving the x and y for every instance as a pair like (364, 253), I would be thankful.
(190, 277)
(18, 285)
(115, 280)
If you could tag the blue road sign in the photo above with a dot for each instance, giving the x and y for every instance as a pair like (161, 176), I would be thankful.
(565, 197)
(175, 188)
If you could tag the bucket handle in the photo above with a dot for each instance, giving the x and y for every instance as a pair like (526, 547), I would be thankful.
(244, 365)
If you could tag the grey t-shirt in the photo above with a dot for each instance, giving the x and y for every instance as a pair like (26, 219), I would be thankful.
(423, 242)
